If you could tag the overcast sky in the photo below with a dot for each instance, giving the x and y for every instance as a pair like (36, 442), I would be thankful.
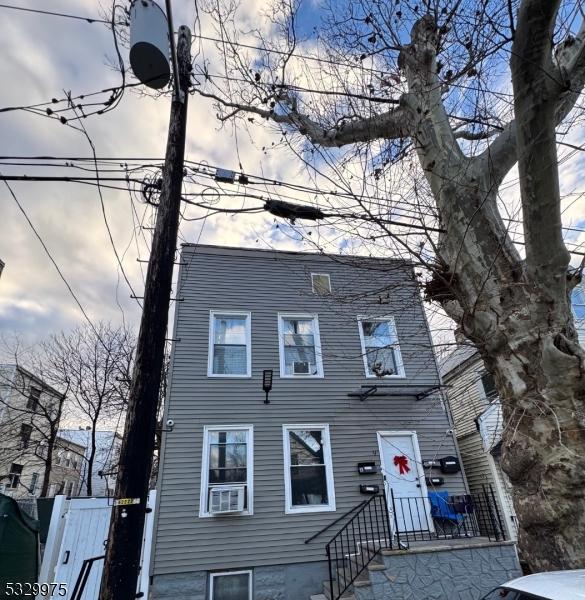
(43, 56)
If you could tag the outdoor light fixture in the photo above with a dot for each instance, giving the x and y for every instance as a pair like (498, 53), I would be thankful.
(267, 383)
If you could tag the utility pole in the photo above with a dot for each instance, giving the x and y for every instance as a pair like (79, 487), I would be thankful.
(122, 561)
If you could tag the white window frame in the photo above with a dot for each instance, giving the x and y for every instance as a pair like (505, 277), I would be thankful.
(223, 574)
(211, 346)
(317, 335)
(313, 282)
(289, 509)
(397, 352)
(204, 492)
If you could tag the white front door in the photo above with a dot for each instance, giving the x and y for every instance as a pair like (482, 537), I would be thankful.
(404, 481)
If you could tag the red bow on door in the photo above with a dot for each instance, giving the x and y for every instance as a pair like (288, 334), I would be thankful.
(402, 463)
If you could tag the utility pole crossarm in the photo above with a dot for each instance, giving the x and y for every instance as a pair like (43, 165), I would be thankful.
(122, 562)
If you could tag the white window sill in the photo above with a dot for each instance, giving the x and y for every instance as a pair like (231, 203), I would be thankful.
(225, 376)
(319, 376)
(386, 377)
(237, 515)
(309, 509)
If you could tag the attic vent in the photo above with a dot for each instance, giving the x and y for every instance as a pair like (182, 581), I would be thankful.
(228, 499)
(321, 283)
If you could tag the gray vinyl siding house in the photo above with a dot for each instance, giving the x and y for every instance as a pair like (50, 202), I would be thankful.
(191, 547)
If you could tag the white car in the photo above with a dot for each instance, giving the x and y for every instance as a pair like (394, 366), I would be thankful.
(553, 585)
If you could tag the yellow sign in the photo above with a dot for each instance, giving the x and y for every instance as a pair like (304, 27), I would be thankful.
(126, 501)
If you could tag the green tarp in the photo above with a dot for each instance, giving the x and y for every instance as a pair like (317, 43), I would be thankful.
(19, 548)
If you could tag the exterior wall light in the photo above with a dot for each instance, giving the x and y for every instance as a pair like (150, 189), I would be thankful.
(267, 383)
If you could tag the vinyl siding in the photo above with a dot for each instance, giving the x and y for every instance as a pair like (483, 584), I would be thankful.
(482, 470)
(266, 283)
(465, 394)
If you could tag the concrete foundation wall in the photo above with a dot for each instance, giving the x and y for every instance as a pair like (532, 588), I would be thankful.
(442, 574)
(279, 582)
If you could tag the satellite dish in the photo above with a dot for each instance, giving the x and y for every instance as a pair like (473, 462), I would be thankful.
(149, 44)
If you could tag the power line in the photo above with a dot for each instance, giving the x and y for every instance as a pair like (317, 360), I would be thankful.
(48, 253)
(89, 20)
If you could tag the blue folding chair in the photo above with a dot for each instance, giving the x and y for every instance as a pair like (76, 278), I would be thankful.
(445, 512)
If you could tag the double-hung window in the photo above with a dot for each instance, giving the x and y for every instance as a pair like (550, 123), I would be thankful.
(227, 470)
(300, 345)
(229, 344)
(308, 471)
(380, 348)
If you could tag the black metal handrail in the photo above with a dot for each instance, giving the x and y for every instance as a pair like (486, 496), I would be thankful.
(439, 516)
(357, 543)
(435, 516)
(334, 522)
(83, 576)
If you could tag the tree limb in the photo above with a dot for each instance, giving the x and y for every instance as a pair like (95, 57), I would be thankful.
(538, 84)
(393, 124)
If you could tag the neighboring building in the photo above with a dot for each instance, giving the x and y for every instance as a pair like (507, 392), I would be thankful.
(243, 484)
(477, 415)
(103, 479)
(66, 471)
(27, 407)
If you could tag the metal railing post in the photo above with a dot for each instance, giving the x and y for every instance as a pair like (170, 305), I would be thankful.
(330, 570)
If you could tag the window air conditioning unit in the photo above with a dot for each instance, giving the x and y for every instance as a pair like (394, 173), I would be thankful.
(227, 499)
(301, 368)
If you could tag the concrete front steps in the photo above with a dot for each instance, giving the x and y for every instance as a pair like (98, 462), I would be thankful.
(363, 580)
(462, 569)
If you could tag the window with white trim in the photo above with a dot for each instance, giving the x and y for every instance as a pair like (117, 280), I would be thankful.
(229, 344)
(300, 345)
(380, 348)
(308, 476)
(227, 471)
(321, 283)
(231, 585)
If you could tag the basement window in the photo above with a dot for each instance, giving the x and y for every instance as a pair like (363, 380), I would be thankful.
(231, 585)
